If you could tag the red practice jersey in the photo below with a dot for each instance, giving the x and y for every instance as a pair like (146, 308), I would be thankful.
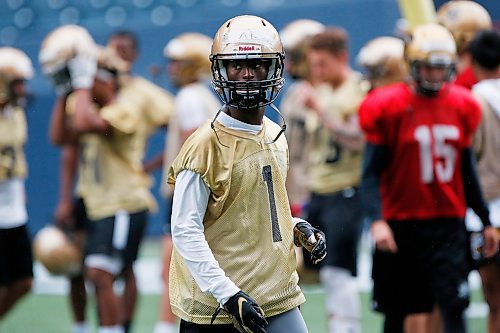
(425, 137)
(466, 78)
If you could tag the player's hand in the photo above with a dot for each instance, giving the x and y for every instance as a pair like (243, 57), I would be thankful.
(383, 236)
(491, 242)
(312, 239)
(246, 314)
(307, 96)
(82, 69)
(63, 214)
(60, 80)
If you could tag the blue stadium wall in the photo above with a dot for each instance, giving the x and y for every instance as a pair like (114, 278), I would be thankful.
(24, 24)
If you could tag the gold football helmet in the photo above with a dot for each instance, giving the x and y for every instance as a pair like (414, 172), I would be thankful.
(383, 60)
(191, 53)
(430, 45)
(14, 65)
(242, 38)
(464, 19)
(57, 252)
(294, 38)
(62, 44)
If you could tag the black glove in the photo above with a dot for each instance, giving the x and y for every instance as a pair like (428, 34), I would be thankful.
(246, 314)
(312, 239)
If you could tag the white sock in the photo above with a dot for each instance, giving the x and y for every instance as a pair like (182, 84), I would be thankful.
(165, 327)
(80, 327)
(343, 303)
(111, 329)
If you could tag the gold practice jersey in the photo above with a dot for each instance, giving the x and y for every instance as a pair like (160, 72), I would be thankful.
(334, 167)
(206, 103)
(155, 103)
(248, 224)
(111, 167)
(13, 135)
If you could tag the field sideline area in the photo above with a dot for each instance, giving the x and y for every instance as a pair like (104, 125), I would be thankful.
(46, 310)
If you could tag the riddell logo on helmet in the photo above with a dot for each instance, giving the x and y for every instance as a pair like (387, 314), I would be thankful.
(246, 48)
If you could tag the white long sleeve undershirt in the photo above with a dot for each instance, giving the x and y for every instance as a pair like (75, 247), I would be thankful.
(189, 205)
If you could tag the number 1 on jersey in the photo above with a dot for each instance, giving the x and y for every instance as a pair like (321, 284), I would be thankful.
(268, 178)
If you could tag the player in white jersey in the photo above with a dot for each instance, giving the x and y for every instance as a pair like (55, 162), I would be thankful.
(189, 70)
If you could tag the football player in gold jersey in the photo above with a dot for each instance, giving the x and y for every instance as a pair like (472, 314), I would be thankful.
(116, 188)
(295, 37)
(337, 144)
(195, 102)
(16, 273)
(233, 264)
(56, 58)
(152, 101)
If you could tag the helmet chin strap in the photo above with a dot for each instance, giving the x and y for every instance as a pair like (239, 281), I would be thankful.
(282, 130)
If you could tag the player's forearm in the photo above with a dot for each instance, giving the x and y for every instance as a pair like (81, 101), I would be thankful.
(374, 161)
(346, 133)
(69, 159)
(188, 209)
(85, 120)
(58, 132)
(472, 188)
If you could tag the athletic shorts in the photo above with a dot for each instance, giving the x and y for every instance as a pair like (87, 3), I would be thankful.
(117, 236)
(339, 217)
(16, 259)
(79, 214)
(430, 266)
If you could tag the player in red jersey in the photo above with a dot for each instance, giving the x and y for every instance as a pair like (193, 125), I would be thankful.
(418, 177)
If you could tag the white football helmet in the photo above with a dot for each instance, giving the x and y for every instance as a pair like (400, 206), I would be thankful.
(57, 252)
(192, 51)
(62, 44)
(294, 37)
(383, 60)
(14, 65)
(242, 38)
(430, 45)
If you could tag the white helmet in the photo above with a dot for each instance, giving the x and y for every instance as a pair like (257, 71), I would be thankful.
(383, 60)
(14, 65)
(64, 43)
